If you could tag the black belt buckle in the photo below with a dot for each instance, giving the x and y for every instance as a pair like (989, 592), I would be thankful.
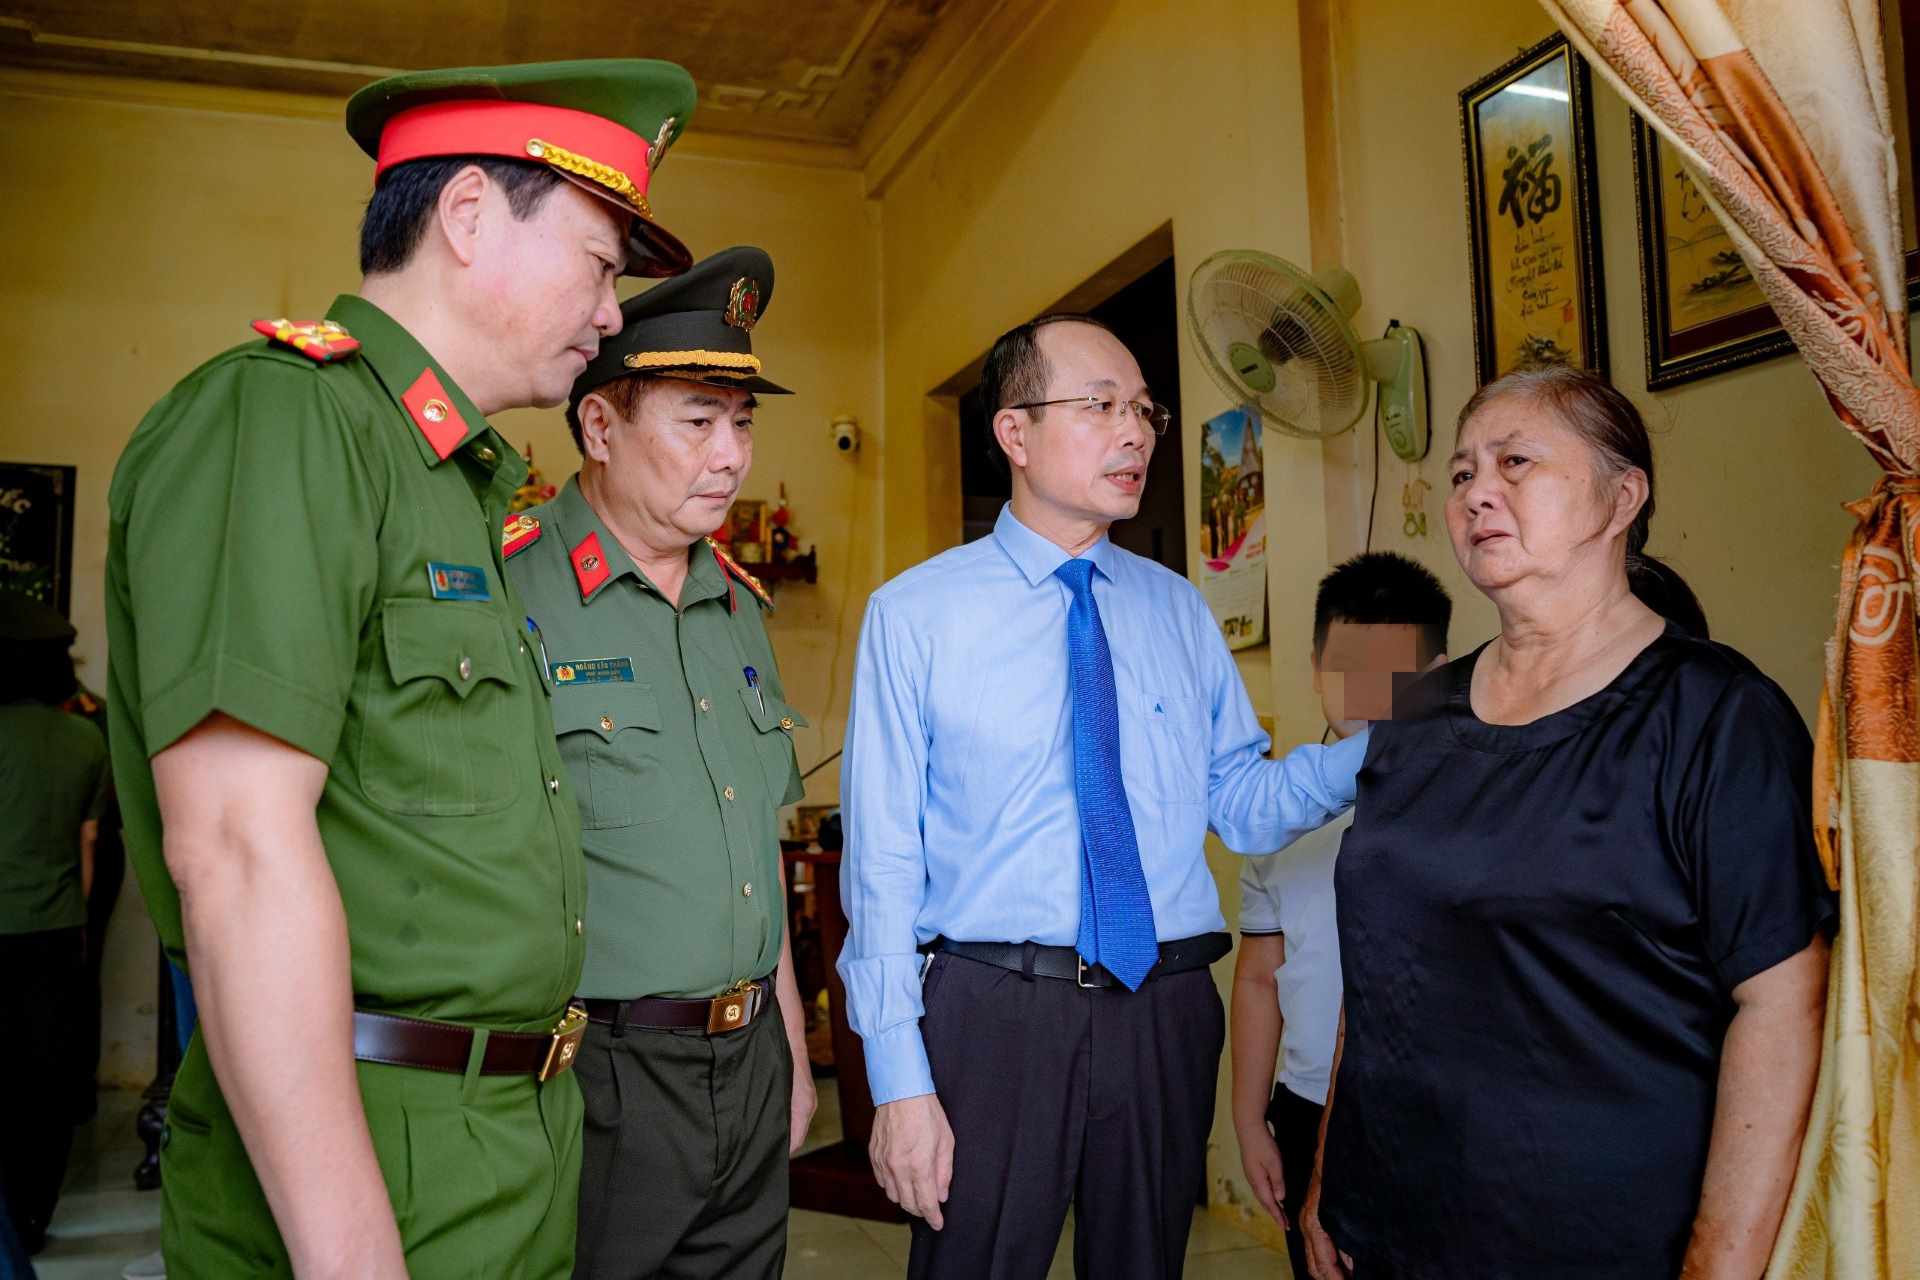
(1080, 974)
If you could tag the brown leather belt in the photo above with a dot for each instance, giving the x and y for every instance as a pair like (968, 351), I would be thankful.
(731, 1010)
(444, 1046)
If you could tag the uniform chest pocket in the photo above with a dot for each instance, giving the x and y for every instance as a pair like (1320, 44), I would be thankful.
(447, 719)
(611, 740)
(774, 722)
(1171, 734)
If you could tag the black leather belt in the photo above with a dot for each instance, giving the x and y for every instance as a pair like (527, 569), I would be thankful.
(446, 1046)
(731, 1010)
(1031, 960)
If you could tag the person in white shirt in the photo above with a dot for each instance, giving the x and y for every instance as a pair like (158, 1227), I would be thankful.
(1378, 620)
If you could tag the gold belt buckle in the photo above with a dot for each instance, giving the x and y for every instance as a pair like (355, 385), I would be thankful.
(733, 1008)
(565, 1045)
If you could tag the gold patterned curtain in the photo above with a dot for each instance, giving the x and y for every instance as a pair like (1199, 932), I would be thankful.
(1780, 109)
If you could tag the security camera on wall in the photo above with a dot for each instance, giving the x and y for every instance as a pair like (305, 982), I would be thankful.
(846, 435)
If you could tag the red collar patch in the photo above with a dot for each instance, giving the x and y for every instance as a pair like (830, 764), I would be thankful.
(589, 566)
(434, 414)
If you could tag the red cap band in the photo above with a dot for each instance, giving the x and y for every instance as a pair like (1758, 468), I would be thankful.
(491, 128)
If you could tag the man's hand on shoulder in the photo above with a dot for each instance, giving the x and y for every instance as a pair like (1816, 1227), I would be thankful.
(912, 1153)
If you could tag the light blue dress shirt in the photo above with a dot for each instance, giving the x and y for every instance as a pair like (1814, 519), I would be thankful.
(957, 784)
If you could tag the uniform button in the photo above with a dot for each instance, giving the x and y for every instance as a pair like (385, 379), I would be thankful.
(579, 927)
(553, 786)
(728, 793)
(786, 722)
(606, 723)
(706, 704)
(485, 454)
(746, 890)
(466, 668)
(523, 648)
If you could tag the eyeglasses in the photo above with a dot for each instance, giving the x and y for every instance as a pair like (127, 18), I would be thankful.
(1154, 417)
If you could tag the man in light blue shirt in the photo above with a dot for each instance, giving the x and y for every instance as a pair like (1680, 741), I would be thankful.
(1044, 728)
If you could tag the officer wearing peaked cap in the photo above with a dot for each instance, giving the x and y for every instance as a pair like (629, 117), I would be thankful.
(331, 732)
(675, 727)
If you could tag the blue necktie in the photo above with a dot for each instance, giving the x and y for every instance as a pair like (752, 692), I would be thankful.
(1116, 915)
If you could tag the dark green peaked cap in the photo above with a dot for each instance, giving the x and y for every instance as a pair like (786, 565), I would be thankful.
(697, 326)
(604, 124)
(22, 618)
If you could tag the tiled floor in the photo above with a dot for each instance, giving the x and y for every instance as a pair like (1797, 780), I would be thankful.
(103, 1222)
(823, 1247)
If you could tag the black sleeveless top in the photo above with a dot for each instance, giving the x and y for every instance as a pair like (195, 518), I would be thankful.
(1541, 926)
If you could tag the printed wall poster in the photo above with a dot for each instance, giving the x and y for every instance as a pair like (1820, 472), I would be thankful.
(1233, 526)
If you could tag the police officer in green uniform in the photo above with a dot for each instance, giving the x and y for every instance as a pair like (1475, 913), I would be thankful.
(53, 786)
(331, 731)
(678, 736)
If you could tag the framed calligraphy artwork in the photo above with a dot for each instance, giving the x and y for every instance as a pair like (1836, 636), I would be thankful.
(1527, 134)
(36, 531)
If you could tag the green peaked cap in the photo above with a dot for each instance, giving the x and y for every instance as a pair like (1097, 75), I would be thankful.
(697, 327)
(604, 124)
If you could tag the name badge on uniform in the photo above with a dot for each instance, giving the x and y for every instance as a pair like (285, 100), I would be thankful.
(457, 581)
(593, 671)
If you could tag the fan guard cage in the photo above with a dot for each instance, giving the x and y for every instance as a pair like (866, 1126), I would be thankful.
(1241, 302)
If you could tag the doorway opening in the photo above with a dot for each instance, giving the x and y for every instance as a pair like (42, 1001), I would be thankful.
(1136, 296)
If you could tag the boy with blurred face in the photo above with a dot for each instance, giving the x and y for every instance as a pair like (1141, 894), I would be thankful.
(1378, 620)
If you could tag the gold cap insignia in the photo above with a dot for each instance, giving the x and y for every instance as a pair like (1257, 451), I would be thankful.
(743, 304)
(657, 151)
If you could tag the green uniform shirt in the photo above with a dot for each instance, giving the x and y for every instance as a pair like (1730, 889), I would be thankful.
(289, 546)
(53, 775)
(679, 766)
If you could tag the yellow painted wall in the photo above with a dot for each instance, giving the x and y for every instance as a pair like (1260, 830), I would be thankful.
(148, 226)
(1752, 468)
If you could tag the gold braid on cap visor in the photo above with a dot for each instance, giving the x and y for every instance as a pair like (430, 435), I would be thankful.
(602, 175)
(681, 359)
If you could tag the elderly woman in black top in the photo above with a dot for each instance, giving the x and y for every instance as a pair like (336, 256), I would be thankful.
(1582, 921)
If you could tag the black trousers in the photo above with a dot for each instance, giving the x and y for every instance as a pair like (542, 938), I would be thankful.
(684, 1159)
(1058, 1096)
(43, 1009)
(1295, 1122)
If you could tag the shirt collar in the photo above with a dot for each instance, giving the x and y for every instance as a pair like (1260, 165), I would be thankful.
(576, 522)
(444, 420)
(1037, 558)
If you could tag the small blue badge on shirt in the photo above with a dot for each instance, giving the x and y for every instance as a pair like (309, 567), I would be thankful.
(593, 671)
(457, 581)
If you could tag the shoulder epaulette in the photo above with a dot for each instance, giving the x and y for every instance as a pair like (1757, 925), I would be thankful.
(519, 533)
(322, 341)
(730, 566)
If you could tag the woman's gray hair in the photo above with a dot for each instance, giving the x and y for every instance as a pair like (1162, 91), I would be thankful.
(1596, 411)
